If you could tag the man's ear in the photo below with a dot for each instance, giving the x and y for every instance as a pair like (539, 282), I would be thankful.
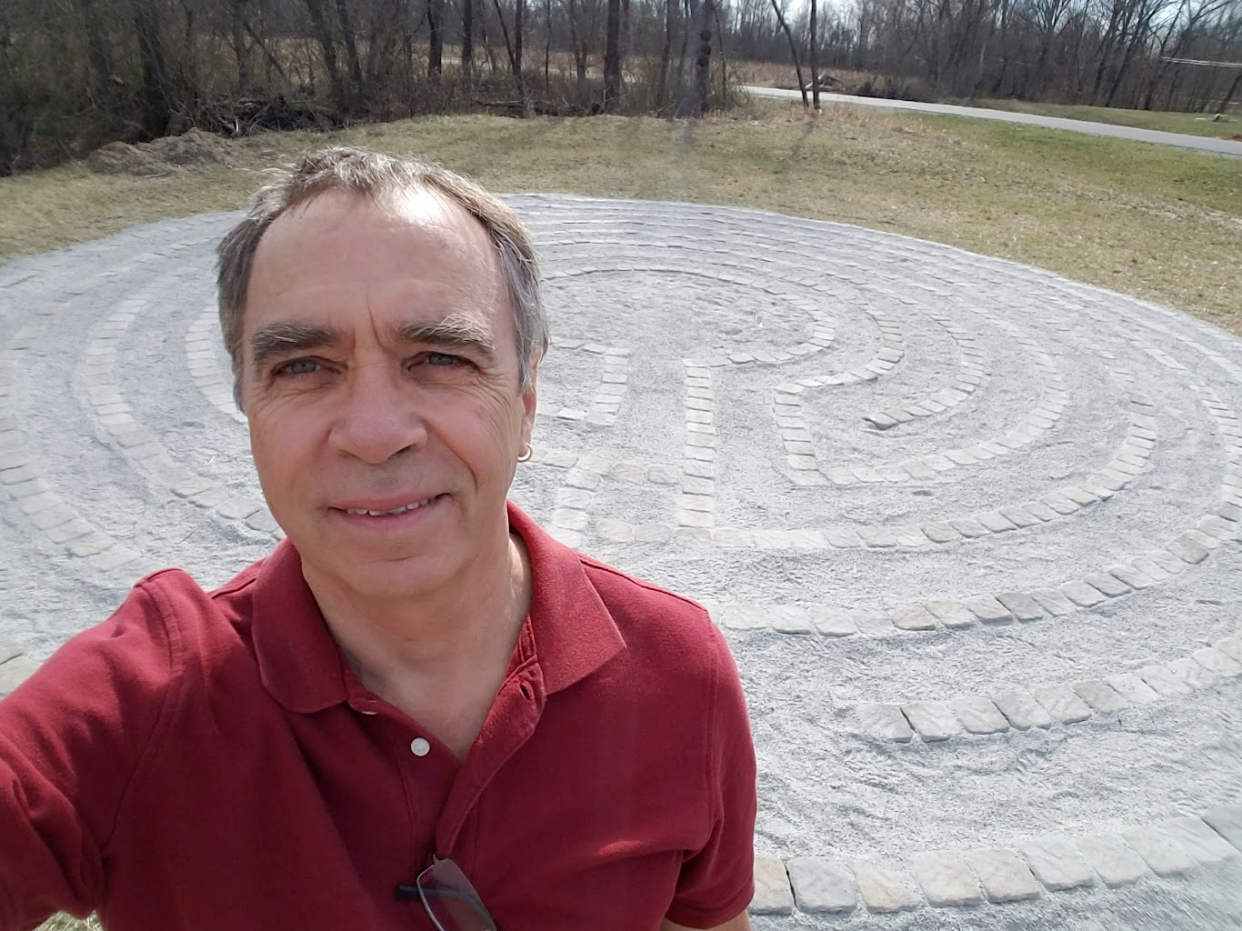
(530, 401)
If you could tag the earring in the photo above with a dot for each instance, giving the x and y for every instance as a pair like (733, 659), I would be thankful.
(525, 457)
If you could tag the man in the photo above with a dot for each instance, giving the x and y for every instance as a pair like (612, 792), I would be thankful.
(419, 708)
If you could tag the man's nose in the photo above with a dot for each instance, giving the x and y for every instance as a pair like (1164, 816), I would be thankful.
(379, 416)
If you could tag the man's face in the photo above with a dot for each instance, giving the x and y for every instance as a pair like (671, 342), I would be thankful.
(381, 383)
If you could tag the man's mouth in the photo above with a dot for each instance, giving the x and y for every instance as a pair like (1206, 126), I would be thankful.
(393, 511)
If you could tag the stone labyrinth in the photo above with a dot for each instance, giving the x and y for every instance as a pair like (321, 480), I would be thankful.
(972, 530)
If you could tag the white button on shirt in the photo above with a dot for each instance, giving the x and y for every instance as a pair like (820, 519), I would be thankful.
(420, 746)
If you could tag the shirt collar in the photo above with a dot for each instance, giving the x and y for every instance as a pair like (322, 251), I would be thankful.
(302, 667)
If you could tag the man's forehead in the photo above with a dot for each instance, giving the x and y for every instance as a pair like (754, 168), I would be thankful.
(419, 207)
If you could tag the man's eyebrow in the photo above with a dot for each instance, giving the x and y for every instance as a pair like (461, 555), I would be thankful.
(282, 339)
(454, 332)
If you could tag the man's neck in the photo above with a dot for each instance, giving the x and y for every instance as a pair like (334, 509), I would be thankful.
(471, 622)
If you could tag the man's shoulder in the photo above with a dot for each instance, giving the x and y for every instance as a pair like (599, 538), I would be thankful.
(673, 627)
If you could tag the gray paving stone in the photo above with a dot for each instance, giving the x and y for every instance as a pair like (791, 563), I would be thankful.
(1101, 696)
(1164, 681)
(1004, 875)
(842, 537)
(912, 617)
(1062, 703)
(988, 609)
(833, 622)
(885, 721)
(884, 889)
(997, 522)
(1108, 583)
(1057, 863)
(1193, 673)
(1188, 550)
(1020, 516)
(1082, 594)
(967, 527)
(979, 715)
(940, 532)
(1022, 710)
(1132, 688)
(1231, 647)
(1151, 568)
(1040, 510)
(933, 721)
(1198, 839)
(1115, 861)
(879, 537)
(1225, 820)
(945, 878)
(1059, 503)
(773, 895)
(951, 612)
(1021, 605)
(1053, 601)
(822, 885)
(1131, 576)
(1165, 856)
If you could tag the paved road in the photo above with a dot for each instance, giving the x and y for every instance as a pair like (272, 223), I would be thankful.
(1202, 143)
(973, 532)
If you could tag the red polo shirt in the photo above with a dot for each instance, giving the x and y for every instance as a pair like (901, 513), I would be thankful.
(210, 762)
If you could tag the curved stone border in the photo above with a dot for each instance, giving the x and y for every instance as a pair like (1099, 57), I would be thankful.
(21, 482)
(613, 387)
(972, 374)
(141, 448)
(201, 338)
(1026, 868)
(1043, 706)
(697, 503)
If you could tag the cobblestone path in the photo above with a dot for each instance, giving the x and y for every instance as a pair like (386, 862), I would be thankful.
(972, 529)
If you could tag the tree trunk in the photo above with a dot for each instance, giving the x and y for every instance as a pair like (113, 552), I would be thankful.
(237, 22)
(156, 111)
(435, 37)
(793, 50)
(703, 64)
(98, 51)
(815, 53)
(351, 49)
(612, 58)
(519, 17)
(579, 45)
(467, 40)
(666, 52)
(724, 61)
(327, 44)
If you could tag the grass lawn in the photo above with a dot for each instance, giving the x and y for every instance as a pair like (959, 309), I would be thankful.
(1160, 223)
(1194, 124)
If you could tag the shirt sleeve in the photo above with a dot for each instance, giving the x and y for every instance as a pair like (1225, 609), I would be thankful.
(717, 882)
(71, 737)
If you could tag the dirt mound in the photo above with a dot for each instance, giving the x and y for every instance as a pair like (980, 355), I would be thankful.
(160, 156)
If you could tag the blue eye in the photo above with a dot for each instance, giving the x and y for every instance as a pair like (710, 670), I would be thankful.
(441, 358)
(302, 367)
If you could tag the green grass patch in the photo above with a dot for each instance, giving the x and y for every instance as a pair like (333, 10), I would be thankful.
(1194, 124)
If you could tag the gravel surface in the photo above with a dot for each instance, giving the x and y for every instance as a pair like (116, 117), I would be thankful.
(971, 528)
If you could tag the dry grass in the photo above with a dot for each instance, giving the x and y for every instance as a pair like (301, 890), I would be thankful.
(783, 74)
(1159, 223)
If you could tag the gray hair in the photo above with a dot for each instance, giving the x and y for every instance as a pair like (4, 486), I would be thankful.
(372, 175)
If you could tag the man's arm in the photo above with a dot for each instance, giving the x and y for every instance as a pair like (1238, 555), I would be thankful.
(70, 737)
(740, 923)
